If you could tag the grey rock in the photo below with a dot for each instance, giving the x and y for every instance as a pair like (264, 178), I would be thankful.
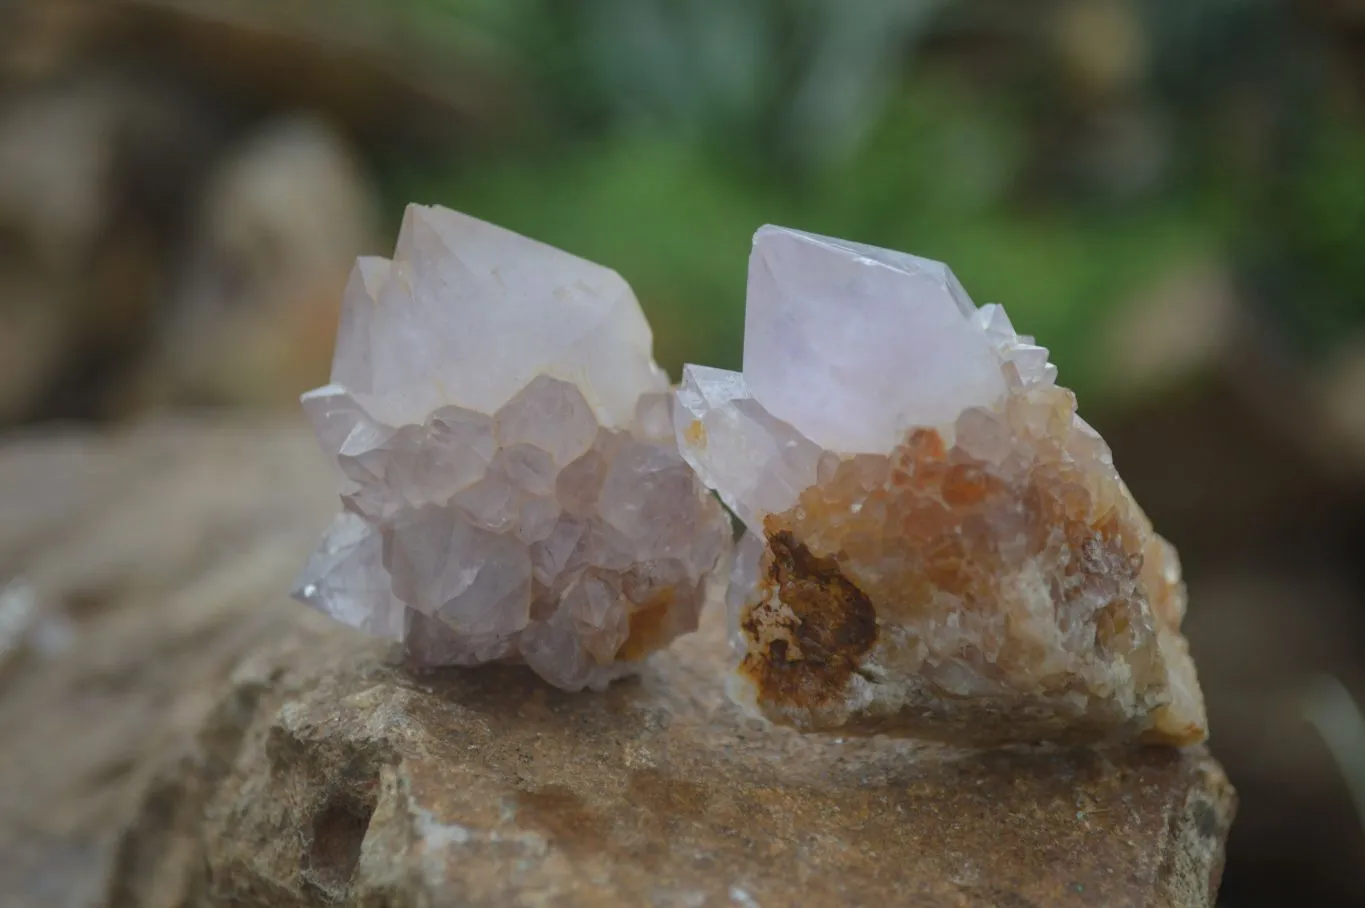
(205, 742)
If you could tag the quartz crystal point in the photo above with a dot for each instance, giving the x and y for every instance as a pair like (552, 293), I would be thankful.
(937, 545)
(511, 486)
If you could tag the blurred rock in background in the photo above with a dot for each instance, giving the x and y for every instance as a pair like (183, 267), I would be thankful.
(251, 315)
(1170, 194)
(184, 185)
(95, 176)
(1249, 465)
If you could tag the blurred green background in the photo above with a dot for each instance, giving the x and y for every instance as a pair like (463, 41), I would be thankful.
(1059, 155)
(1170, 194)
(1065, 157)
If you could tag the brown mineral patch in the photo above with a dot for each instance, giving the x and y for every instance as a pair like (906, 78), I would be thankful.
(695, 433)
(648, 627)
(1026, 569)
(669, 797)
(966, 485)
(804, 659)
(563, 817)
(1183, 735)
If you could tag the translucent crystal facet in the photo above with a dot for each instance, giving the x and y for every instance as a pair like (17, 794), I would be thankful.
(851, 344)
(433, 327)
(512, 489)
(937, 544)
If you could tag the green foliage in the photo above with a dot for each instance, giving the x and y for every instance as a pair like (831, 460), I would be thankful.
(661, 133)
(1327, 196)
(935, 178)
(1302, 250)
(788, 83)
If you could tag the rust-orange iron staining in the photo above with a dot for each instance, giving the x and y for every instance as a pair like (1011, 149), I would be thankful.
(816, 641)
(1024, 597)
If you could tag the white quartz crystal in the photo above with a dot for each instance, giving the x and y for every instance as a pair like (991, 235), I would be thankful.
(846, 347)
(345, 577)
(434, 326)
(511, 486)
(851, 344)
(756, 462)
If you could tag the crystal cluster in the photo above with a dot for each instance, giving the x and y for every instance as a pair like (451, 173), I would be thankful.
(937, 545)
(511, 486)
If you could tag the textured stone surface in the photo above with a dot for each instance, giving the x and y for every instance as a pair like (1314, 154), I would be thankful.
(938, 545)
(512, 489)
(204, 742)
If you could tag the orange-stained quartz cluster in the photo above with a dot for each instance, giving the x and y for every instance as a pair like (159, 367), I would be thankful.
(998, 585)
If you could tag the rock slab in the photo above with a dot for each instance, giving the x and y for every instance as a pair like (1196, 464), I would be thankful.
(175, 732)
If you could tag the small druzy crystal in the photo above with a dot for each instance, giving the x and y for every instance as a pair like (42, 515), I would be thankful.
(511, 486)
(937, 545)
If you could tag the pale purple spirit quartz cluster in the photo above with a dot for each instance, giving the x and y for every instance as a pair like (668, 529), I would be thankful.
(511, 487)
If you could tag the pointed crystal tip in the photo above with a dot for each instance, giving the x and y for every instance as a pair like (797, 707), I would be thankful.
(853, 344)
(937, 543)
(511, 484)
(467, 313)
